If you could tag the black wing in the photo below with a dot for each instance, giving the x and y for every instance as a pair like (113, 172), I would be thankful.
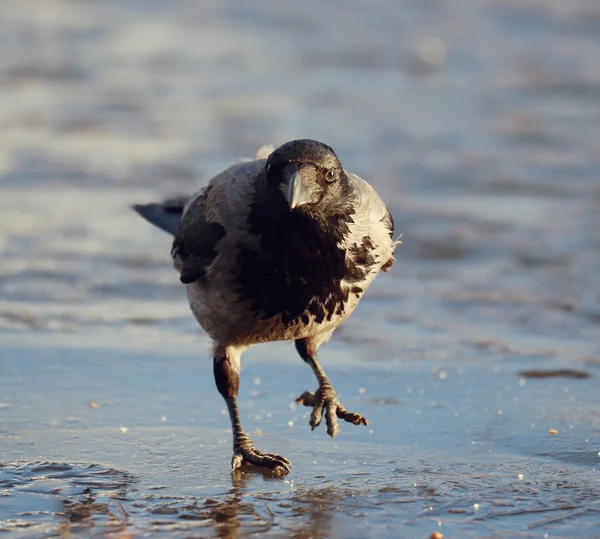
(196, 240)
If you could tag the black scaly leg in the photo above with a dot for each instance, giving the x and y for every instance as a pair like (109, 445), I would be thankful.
(228, 383)
(325, 398)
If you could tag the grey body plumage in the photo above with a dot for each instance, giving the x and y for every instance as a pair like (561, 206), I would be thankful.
(280, 248)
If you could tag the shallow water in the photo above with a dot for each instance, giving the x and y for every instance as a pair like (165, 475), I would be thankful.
(476, 359)
(133, 442)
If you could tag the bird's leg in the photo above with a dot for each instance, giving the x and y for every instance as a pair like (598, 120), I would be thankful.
(325, 398)
(226, 369)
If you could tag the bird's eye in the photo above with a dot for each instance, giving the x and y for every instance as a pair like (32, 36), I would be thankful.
(331, 175)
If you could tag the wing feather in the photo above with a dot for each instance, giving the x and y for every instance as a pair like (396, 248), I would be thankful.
(220, 209)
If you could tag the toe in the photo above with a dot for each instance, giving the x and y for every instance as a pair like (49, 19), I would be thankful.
(351, 417)
(316, 416)
(285, 461)
(236, 461)
(332, 423)
(307, 399)
(263, 460)
(282, 463)
(276, 463)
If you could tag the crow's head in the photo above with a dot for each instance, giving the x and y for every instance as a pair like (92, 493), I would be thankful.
(307, 175)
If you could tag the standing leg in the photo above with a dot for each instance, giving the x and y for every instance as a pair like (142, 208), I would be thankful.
(226, 369)
(325, 398)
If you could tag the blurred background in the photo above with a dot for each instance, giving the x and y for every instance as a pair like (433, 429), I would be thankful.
(476, 120)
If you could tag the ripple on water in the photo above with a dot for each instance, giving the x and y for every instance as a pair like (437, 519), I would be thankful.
(70, 497)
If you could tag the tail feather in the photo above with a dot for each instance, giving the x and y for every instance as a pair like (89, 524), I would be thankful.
(164, 215)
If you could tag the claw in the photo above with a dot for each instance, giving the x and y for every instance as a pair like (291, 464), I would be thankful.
(325, 400)
(332, 424)
(236, 461)
(249, 455)
(316, 416)
(351, 417)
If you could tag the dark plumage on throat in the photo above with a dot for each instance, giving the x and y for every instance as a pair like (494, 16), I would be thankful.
(299, 267)
(301, 263)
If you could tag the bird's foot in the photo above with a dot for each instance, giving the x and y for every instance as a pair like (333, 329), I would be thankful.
(325, 400)
(245, 452)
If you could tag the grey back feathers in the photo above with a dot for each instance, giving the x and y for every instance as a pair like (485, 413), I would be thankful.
(196, 239)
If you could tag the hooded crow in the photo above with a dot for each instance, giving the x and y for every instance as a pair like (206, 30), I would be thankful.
(280, 248)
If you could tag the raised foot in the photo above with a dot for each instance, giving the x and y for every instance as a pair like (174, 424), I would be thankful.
(246, 453)
(325, 400)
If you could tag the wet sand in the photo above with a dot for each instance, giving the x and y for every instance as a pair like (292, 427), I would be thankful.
(476, 359)
(102, 439)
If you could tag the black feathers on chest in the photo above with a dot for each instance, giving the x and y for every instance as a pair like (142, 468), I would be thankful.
(299, 267)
